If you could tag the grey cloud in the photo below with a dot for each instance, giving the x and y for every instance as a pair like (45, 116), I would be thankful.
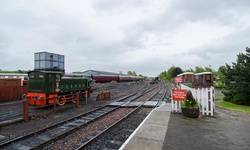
(222, 11)
(179, 12)
(111, 6)
(28, 27)
(233, 43)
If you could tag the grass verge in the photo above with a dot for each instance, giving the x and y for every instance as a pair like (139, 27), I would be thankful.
(233, 106)
(217, 96)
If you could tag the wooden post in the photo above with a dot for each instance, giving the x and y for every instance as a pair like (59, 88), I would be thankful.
(77, 104)
(86, 97)
(26, 110)
(54, 108)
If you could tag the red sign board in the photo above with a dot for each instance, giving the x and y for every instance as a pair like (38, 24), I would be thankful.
(179, 95)
(177, 79)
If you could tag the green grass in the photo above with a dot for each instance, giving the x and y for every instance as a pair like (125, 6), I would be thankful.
(232, 106)
(217, 96)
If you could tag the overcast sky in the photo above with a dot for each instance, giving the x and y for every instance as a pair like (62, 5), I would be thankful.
(145, 36)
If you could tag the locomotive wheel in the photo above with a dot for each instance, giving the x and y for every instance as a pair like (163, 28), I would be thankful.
(61, 100)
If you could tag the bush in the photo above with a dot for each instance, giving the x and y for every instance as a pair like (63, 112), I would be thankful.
(219, 85)
(227, 98)
(240, 99)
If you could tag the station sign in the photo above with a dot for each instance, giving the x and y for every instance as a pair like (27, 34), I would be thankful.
(179, 95)
(177, 79)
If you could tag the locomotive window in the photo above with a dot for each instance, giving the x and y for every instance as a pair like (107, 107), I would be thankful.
(41, 75)
(79, 85)
(66, 86)
(58, 77)
(31, 75)
(75, 85)
(71, 86)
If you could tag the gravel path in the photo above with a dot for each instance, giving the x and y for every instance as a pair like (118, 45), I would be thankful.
(228, 130)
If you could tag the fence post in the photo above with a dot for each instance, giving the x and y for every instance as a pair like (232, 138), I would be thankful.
(202, 101)
(86, 97)
(26, 110)
(54, 108)
(77, 104)
(199, 96)
(211, 101)
(207, 101)
(213, 98)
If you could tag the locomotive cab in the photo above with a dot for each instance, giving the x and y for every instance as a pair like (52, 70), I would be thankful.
(44, 81)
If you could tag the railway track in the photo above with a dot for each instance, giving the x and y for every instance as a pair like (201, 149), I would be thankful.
(43, 137)
(14, 112)
(114, 136)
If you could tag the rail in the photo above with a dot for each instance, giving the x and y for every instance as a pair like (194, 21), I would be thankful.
(62, 129)
(90, 141)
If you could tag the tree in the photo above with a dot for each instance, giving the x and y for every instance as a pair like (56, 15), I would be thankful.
(237, 79)
(171, 73)
(129, 73)
(134, 73)
(189, 70)
(199, 69)
(163, 75)
(220, 77)
(176, 71)
(208, 69)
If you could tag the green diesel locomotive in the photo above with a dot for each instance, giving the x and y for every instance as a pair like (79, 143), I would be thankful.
(49, 87)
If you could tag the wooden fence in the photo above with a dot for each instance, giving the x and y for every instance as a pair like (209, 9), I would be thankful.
(12, 92)
(204, 97)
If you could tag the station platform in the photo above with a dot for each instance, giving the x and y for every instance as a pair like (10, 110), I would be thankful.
(150, 134)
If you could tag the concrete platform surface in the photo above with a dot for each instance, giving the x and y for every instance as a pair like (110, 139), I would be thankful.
(163, 130)
(151, 132)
